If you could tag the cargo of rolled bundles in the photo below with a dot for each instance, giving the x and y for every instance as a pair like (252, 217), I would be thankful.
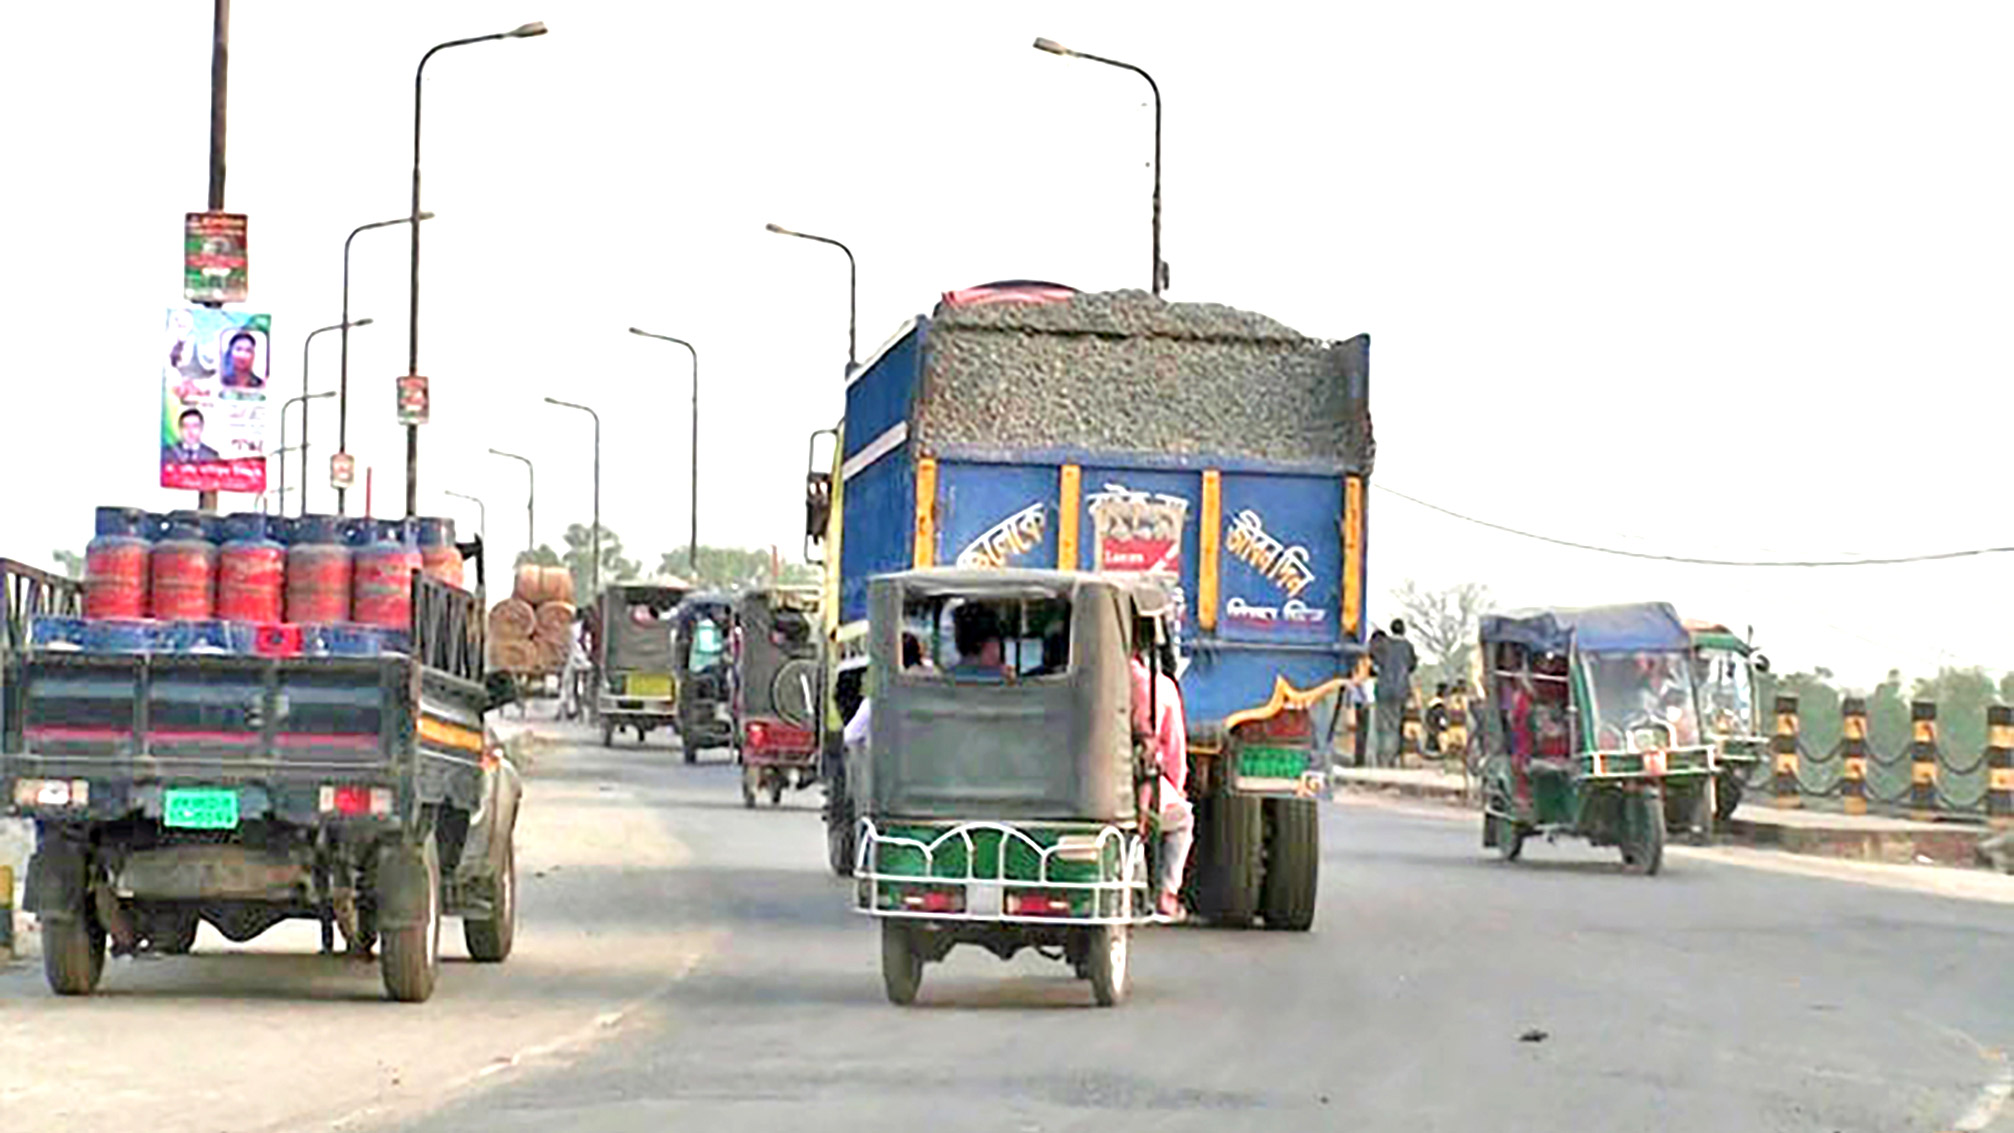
(512, 620)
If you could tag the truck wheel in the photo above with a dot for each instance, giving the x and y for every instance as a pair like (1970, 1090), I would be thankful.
(901, 963)
(1293, 864)
(409, 958)
(73, 954)
(1233, 860)
(1643, 833)
(489, 940)
(1108, 963)
(1727, 796)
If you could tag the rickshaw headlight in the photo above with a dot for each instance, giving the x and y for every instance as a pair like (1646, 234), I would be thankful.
(1653, 763)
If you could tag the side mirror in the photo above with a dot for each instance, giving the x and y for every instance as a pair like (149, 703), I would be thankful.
(501, 688)
(1761, 663)
(817, 503)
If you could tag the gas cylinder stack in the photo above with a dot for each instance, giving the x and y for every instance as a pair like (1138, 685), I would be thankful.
(249, 583)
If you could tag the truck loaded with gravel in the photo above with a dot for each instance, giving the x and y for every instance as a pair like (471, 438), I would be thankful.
(1228, 455)
(181, 772)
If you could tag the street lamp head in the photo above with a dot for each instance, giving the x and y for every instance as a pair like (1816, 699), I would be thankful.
(361, 322)
(321, 395)
(778, 229)
(426, 216)
(1052, 47)
(526, 31)
(639, 330)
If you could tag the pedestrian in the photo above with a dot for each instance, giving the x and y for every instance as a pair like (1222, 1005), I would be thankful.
(1395, 661)
(1164, 728)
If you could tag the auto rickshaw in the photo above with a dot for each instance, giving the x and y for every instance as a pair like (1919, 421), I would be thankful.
(776, 691)
(1591, 723)
(997, 792)
(1724, 669)
(635, 685)
(703, 625)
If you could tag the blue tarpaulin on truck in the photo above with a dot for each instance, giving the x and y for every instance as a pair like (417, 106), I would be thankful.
(1640, 627)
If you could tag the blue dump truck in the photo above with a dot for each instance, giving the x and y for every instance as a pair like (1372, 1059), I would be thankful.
(1031, 425)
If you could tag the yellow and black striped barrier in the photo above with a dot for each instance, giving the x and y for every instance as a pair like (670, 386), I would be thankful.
(1923, 759)
(6, 912)
(1853, 755)
(1785, 790)
(1455, 736)
(2000, 765)
(1410, 729)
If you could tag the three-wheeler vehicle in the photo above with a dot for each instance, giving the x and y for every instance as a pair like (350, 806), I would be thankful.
(998, 790)
(777, 689)
(637, 688)
(1724, 669)
(1591, 724)
(703, 626)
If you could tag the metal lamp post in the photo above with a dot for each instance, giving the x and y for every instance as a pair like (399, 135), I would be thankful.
(1160, 266)
(302, 399)
(307, 342)
(530, 496)
(524, 31)
(594, 567)
(343, 384)
(692, 543)
(852, 291)
(482, 514)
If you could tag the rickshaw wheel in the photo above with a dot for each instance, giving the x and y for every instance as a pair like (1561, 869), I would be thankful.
(1510, 838)
(1108, 963)
(776, 785)
(748, 776)
(839, 841)
(1727, 796)
(608, 733)
(901, 963)
(1643, 833)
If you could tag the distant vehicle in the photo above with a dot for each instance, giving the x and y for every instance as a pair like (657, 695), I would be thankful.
(638, 685)
(777, 691)
(1724, 668)
(702, 627)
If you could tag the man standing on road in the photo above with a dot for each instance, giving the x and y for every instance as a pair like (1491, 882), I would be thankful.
(1395, 661)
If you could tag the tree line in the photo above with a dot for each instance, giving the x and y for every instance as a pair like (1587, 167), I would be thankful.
(717, 568)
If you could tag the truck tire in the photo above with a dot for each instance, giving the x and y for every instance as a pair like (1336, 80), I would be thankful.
(1293, 864)
(1108, 963)
(409, 957)
(489, 939)
(901, 963)
(73, 954)
(1233, 860)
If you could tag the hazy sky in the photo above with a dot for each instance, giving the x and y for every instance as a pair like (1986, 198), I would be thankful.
(1715, 279)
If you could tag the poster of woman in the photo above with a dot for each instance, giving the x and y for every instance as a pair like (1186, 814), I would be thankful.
(213, 400)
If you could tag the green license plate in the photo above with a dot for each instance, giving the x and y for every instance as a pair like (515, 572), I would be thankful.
(200, 808)
(1272, 763)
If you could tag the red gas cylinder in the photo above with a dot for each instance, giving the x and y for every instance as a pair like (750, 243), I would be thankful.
(184, 575)
(382, 586)
(440, 559)
(318, 572)
(251, 571)
(116, 565)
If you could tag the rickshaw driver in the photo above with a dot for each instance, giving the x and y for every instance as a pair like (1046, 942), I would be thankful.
(975, 629)
(1171, 750)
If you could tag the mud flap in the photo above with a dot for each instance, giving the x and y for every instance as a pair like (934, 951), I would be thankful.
(402, 885)
(56, 881)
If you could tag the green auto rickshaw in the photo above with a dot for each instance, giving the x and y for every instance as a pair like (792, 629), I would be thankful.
(1724, 671)
(1591, 724)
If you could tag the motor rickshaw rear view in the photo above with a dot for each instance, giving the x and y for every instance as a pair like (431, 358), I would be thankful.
(998, 794)
(777, 690)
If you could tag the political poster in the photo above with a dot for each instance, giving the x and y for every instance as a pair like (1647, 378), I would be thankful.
(214, 264)
(213, 400)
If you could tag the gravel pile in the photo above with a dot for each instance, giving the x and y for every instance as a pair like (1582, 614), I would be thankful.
(1126, 371)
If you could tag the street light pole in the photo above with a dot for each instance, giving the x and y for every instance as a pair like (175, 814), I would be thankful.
(482, 514)
(692, 540)
(530, 497)
(594, 568)
(524, 31)
(852, 292)
(307, 342)
(343, 386)
(1160, 266)
(302, 398)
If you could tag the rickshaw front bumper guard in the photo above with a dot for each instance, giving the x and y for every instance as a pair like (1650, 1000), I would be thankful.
(1044, 899)
(637, 706)
(1676, 765)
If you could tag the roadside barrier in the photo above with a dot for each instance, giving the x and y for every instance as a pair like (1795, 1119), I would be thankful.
(1853, 755)
(1923, 760)
(1783, 747)
(6, 912)
(2000, 765)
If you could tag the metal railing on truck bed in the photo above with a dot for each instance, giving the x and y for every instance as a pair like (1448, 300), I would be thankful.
(34, 593)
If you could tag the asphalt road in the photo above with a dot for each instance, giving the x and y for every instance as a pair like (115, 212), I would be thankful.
(1441, 989)
(687, 963)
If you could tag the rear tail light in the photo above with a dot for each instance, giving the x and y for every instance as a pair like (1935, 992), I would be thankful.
(1038, 904)
(757, 735)
(52, 792)
(1653, 763)
(934, 900)
(352, 801)
(1077, 848)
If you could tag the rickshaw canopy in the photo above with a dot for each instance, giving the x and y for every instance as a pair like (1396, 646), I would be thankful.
(1640, 627)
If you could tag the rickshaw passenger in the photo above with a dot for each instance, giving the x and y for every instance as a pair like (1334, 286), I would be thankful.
(975, 629)
(856, 734)
(1518, 698)
(1169, 736)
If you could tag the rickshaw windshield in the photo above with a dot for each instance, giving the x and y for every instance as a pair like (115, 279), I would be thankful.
(1726, 692)
(1642, 701)
(708, 645)
(984, 639)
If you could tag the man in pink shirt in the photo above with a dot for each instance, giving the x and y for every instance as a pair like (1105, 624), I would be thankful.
(1169, 738)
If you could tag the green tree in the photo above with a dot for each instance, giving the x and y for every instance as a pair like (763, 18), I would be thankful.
(1443, 624)
(70, 563)
(1817, 707)
(542, 555)
(734, 568)
(579, 559)
(1888, 716)
(1961, 696)
(2007, 687)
